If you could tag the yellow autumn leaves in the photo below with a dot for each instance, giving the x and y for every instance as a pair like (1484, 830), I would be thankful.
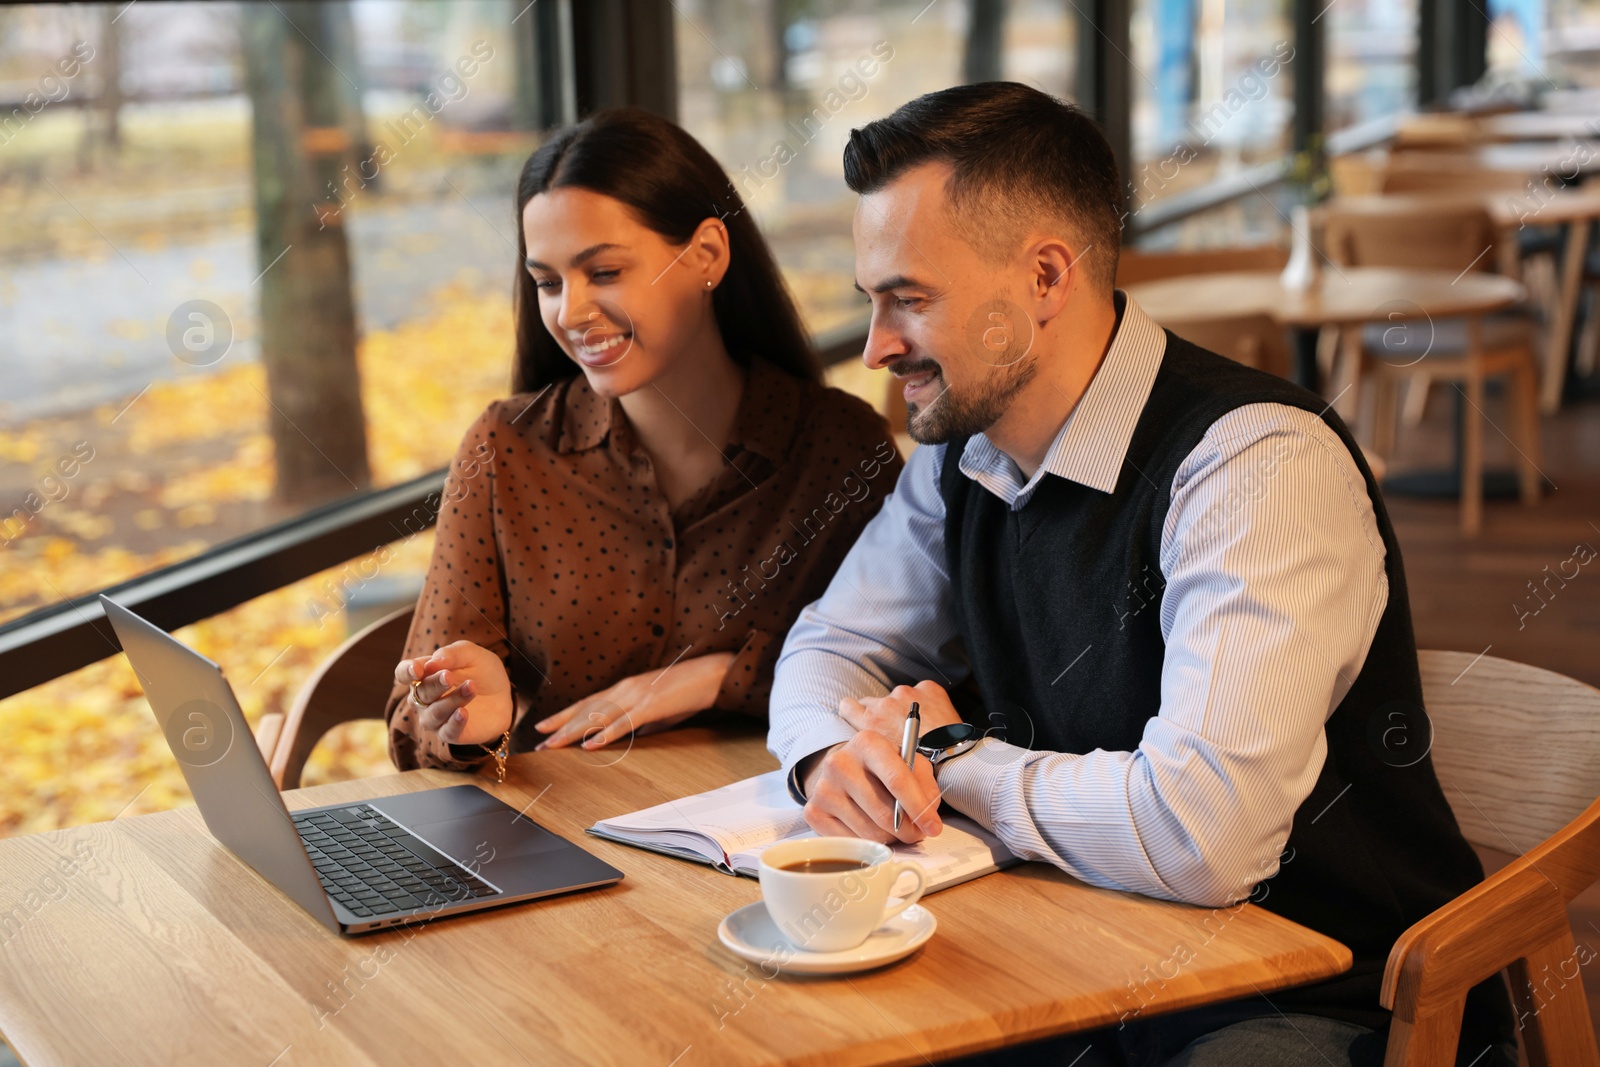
(84, 747)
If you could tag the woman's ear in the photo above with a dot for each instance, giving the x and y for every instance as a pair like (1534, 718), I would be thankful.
(708, 248)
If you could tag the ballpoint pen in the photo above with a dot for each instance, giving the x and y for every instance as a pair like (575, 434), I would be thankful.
(908, 750)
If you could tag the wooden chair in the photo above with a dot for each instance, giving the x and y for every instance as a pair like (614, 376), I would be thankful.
(1588, 354)
(1431, 172)
(1456, 237)
(353, 683)
(1357, 174)
(1134, 266)
(1254, 340)
(1526, 253)
(1437, 131)
(1517, 750)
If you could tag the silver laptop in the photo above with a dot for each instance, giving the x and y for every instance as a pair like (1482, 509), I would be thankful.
(355, 867)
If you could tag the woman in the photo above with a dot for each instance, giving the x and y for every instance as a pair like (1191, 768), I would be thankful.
(625, 541)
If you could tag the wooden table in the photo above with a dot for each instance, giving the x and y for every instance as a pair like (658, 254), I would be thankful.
(1346, 296)
(162, 948)
(1568, 101)
(1349, 297)
(1537, 126)
(1567, 158)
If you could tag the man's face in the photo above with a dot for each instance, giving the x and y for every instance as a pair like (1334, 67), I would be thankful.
(946, 323)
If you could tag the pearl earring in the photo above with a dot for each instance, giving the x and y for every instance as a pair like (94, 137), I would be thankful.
(708, 283)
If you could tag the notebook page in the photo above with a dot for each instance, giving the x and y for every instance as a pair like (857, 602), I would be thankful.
(735, 817)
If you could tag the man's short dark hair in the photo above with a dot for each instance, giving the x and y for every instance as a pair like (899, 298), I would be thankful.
(1017, 155)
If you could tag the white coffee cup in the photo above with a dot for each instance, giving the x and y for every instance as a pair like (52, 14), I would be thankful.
(833, 910)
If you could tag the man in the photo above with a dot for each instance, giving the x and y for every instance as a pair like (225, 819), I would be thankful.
(1170, 577)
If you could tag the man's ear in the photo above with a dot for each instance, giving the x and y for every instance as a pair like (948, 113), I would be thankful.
(1056, 269)
(708, 250)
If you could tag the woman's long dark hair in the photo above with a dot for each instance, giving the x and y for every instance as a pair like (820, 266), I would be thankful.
(672, 184)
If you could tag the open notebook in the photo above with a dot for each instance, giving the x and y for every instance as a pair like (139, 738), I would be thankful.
(729, 827)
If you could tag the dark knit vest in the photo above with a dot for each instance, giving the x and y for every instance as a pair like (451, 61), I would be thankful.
(1059, 607)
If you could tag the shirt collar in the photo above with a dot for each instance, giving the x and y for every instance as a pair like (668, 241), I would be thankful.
(1093, 442)
(585, 417)
(769, 412)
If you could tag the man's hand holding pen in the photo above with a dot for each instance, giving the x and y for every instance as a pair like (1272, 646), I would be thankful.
(851, 789)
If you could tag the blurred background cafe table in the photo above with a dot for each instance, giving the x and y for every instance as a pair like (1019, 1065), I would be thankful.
(1245, 313)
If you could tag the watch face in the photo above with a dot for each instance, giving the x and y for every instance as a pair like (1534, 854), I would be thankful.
(948, 736)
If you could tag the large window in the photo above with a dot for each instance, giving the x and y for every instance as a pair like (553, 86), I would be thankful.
(195, 345)
(1212, 88)
(1518, 34)
(1212, 91)
(165, 171)
(1372, 60)
(773, 89)
(1572, 35)
(1545, 42)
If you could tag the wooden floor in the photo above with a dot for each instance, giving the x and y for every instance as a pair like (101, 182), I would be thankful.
(1473, 595)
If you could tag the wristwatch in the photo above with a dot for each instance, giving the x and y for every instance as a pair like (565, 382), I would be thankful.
(948, 742)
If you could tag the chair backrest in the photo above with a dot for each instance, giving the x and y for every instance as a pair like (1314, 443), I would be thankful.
(353, 683)
(1517, 751)
(1517, 748)
(1358, 173)
(1426, 172)
(1254, 340)
(1367, 232)
(1134, 266)
(1437, 131)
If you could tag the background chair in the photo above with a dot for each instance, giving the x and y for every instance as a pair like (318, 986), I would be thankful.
(1453, 237)
(1517, 750)
(352, 683)
(1529, 253)
(1437, 131)
(1254, 340)
(1588, 354)
(1431, 172)
(1134, 266)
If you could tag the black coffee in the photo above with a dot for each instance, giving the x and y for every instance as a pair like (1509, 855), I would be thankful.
(824, 866)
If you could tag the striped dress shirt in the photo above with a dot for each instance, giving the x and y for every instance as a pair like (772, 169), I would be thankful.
(1272, 584)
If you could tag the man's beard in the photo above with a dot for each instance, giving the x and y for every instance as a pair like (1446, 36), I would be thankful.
(950, 414)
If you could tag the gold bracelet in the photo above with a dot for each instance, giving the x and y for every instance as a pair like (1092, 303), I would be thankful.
(502, 750)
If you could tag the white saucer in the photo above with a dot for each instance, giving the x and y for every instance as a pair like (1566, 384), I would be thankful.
(751, 934)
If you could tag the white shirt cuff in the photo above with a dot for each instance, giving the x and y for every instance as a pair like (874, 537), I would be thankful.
(968, 782)
(835, 732)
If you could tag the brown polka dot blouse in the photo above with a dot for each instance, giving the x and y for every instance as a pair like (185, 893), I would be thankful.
(556, 550)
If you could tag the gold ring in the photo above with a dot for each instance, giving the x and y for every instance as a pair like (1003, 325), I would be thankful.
(415, 699)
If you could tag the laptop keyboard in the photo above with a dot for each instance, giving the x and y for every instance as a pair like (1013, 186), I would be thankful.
(358, 854)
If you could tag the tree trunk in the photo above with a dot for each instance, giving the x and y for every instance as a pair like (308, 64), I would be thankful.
(300, 141)
(102, 126)
(345, 85)
(527, 107)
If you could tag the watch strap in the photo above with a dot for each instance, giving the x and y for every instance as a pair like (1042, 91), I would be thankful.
(793, 782)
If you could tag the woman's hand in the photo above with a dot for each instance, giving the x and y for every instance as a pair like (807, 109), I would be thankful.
(645, 702)
(465, 695)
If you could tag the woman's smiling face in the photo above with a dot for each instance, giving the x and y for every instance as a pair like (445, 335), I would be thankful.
(620, 301)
